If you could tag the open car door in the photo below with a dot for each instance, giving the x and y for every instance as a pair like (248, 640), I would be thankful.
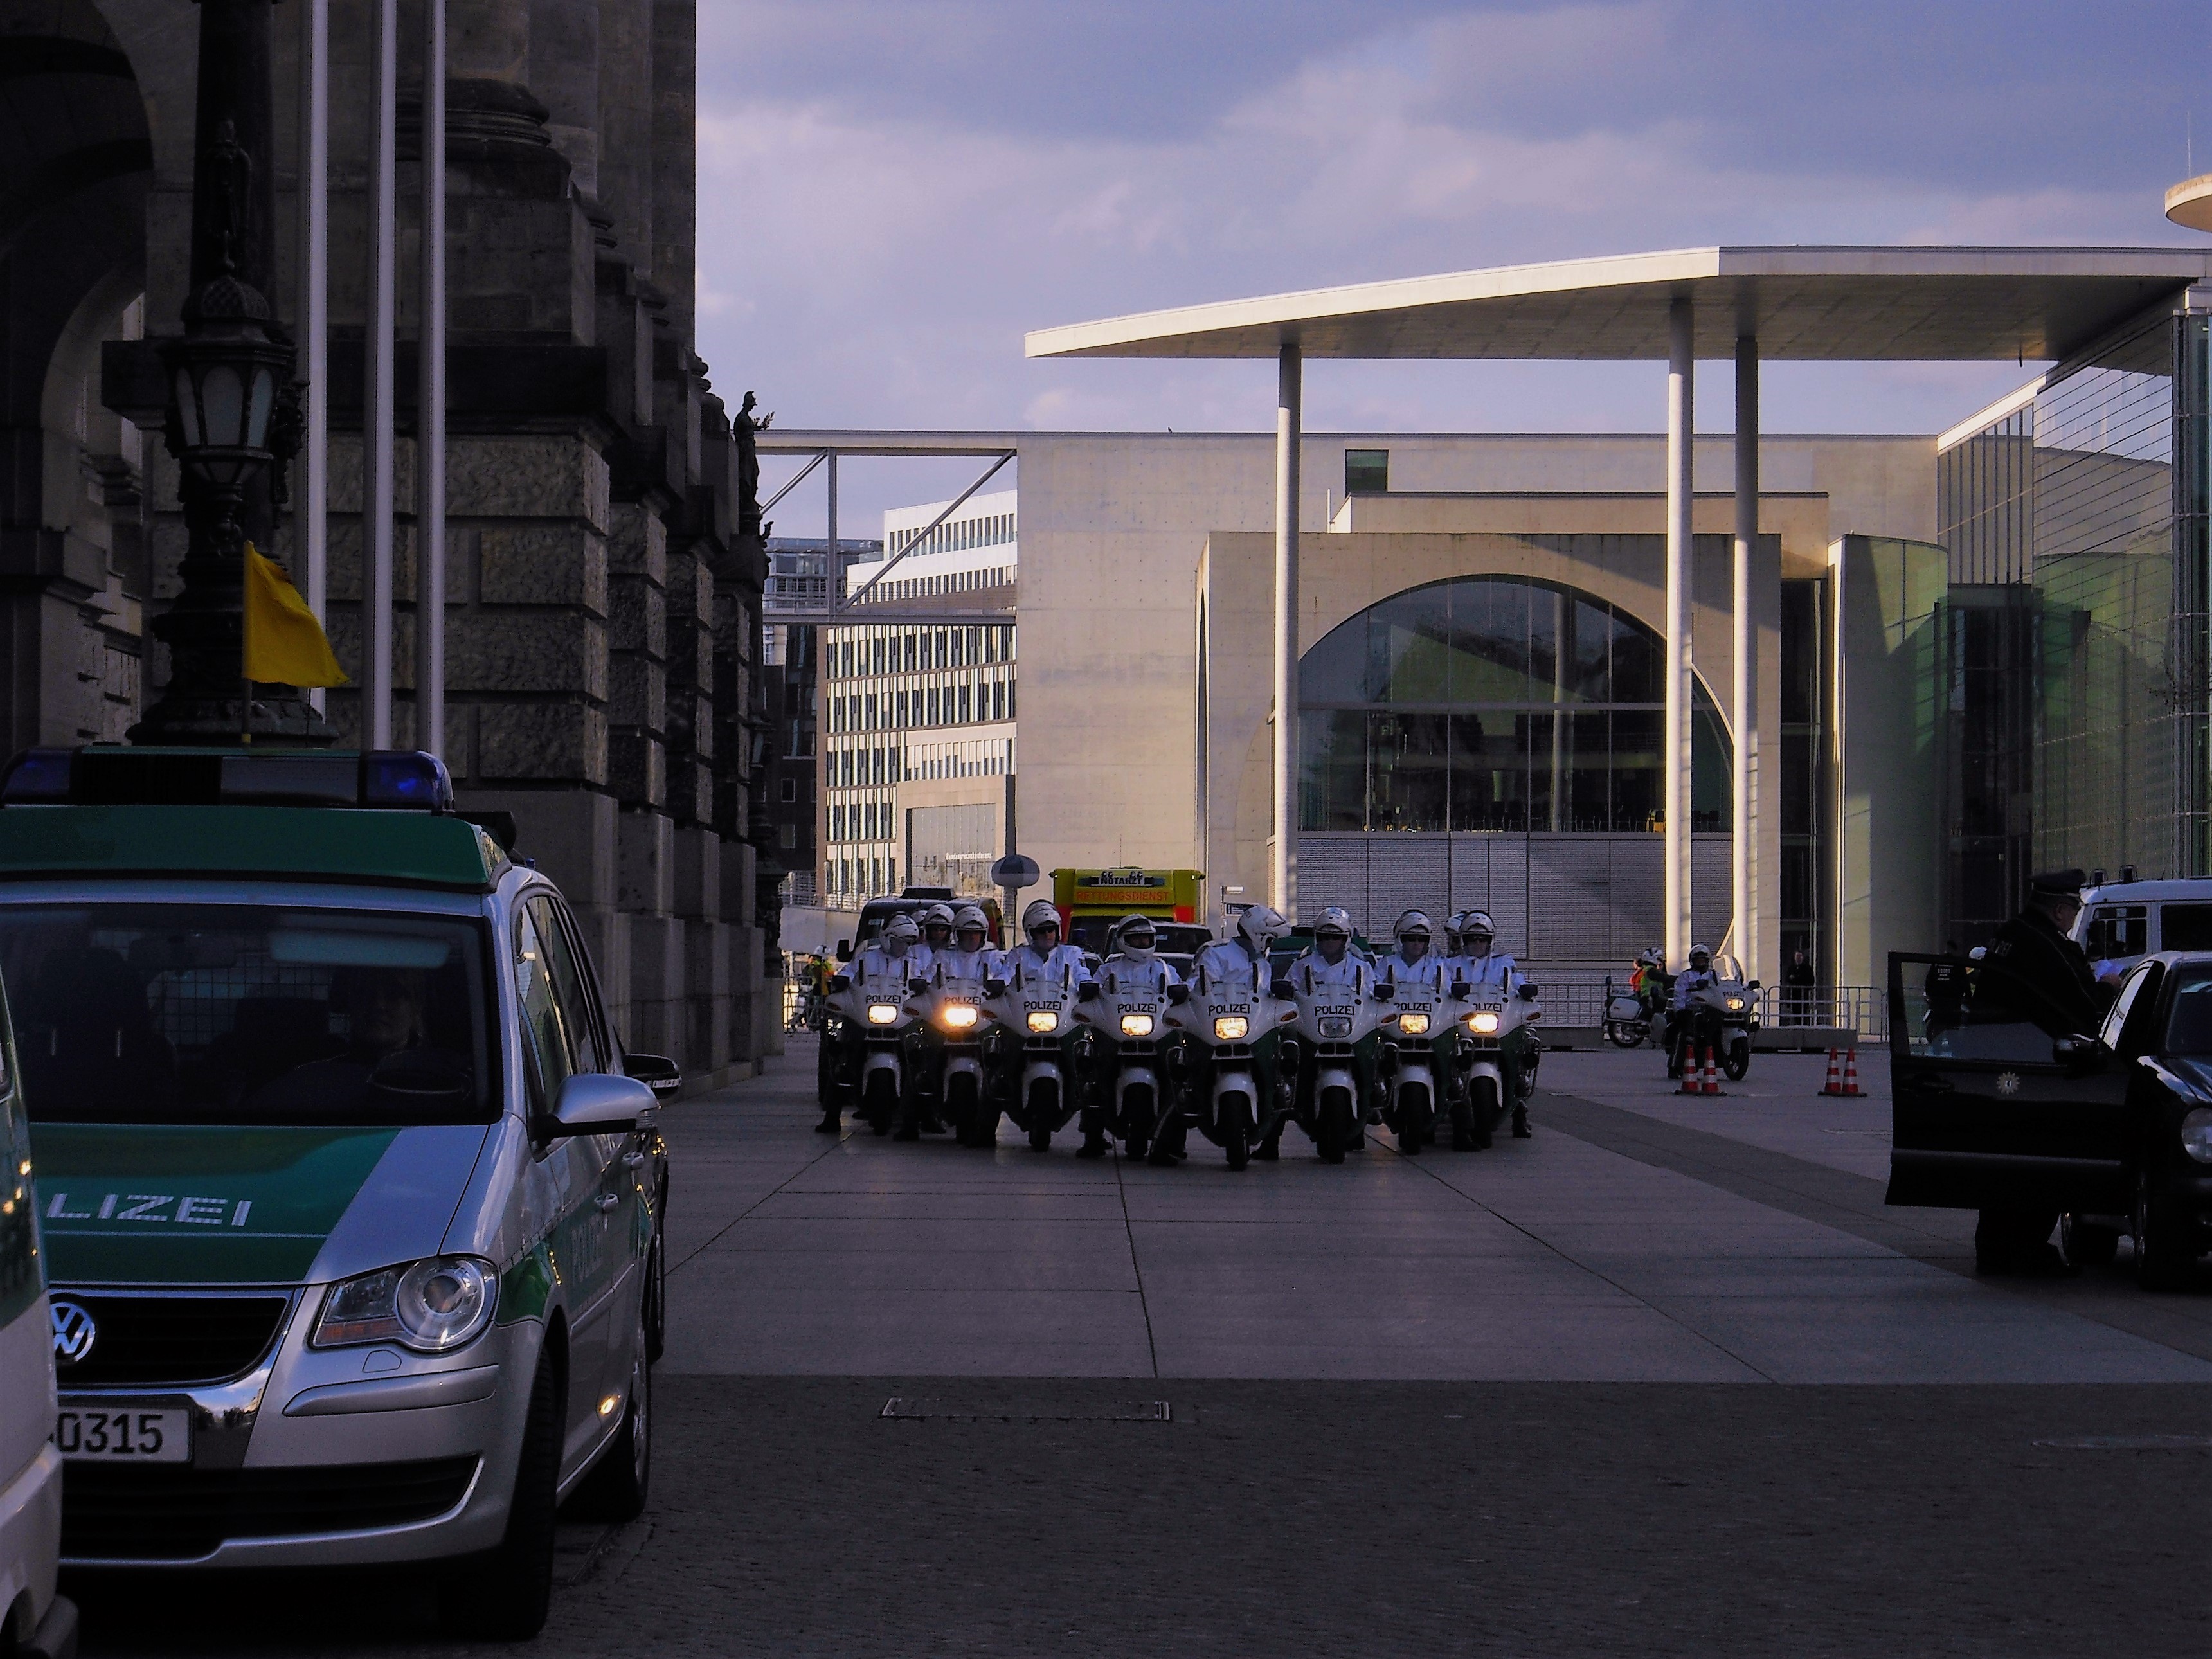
(1995, 1112)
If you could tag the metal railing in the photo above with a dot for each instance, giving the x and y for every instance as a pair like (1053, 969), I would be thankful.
(1859, 1008)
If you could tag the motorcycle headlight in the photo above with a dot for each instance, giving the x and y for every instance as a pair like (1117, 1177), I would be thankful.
(2197, 1134)
(883, 1013)
(1414, 1025)
(1136, 1025)
(433, 1306)
(1230, 1028)
(1044, 1021)
(1483, 1022)
(958, 1016)
(1335, 1026)
(1735, 1004)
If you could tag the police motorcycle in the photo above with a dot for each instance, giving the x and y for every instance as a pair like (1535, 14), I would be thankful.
(1033, 998)
(1629, 1011)
(1227, 1066)
(872, 998)
(1500, 1047)
(1335, 1010)
(1124, 1009)
(1417, 1034)
(955, 1006)
(1718, 1011)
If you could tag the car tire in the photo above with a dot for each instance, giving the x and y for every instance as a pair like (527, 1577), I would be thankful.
(2086, 1243)
(616, 1487)
(504, 1595)
(2163, 1259)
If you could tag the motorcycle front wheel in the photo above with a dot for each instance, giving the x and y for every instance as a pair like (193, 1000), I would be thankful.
(1413, 1119)
(1043, 1108)
(1737, 1060)
(1333, 1116)
(880, 1104)
(1235, 1129)
(1136, 1122)
(1624, 1036)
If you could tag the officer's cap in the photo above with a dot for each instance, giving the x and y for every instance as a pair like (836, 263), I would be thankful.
(2057, 883)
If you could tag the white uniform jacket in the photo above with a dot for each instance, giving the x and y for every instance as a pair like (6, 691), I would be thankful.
(1228, 962)
(1023, 965)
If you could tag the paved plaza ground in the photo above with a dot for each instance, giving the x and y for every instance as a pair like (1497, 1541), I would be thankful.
(1667, 1378)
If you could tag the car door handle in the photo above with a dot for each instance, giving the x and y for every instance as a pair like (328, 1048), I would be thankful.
(631, 1160)
(606, 1200)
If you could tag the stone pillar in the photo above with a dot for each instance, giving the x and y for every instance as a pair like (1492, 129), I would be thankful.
(1282, 868)
(563, 47)
(1743, 690)
(1681, 437)
(675, 170)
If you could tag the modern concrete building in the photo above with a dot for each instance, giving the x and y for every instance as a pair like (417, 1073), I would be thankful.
(603, 559)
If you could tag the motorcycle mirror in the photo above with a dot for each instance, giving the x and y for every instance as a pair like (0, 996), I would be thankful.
(841, 982)
(994, 987)
(1089, 993)
(1178, 993)
(1753, 986)
(917, 985)
(1386, 992)
(1460, 988)
(844, 949)
(1528, 992)
(1280, 989)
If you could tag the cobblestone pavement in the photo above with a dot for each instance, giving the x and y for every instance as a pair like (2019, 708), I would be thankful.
(1488, 1404)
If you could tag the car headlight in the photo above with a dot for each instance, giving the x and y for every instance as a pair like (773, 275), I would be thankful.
(2197, 1134)
(1136, 1025)
(883, 1013)
(1735, 1004)
(1044, 1021)
(1230, 1028)
(433, 1306)
(1414, 1025)
(1337, 1026)
(1483, 1021)
(957, 1016)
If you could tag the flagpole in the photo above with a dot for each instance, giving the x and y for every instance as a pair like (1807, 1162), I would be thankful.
(430, 404)
(312, 522)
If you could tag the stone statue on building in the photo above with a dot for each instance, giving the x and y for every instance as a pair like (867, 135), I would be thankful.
(743, 428)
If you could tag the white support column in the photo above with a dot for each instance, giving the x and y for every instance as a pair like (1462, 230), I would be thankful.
(311, 528)
(1743, 691)
(1682, 428)
(430, 406)
(1283, 864)
(376, 482)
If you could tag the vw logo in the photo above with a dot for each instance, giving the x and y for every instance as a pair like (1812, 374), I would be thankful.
(74, 1332)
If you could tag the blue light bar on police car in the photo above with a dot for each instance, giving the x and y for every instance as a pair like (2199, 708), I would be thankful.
(102, 776)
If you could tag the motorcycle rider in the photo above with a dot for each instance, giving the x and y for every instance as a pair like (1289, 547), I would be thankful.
(970, 956)
(1414, 963)
(881, 969)
(1330, 960)
(1243, 956)
(1040, 956)
(1486, 968)
(935, 931)
(1689, 1031)
(925, 1046)
(1133, 962)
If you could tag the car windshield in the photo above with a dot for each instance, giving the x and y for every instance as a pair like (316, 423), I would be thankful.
(191, 1013)
(2189, 1027)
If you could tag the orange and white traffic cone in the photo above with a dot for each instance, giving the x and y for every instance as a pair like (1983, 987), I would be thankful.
(1689, 1085)
(1711, 1080)
(1834, 1085)
(1851, 1073)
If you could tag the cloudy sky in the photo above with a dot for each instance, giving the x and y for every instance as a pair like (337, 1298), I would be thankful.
(892, 191)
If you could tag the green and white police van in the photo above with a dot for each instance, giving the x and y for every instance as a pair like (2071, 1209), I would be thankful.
(33, 1621)
(352, 1199)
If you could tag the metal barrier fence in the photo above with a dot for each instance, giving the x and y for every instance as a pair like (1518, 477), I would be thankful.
(1860, 1008)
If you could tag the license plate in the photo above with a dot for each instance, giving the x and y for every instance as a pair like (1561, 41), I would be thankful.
(125, 1437)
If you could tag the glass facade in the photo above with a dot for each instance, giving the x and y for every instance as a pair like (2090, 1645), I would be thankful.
(1802, 793)
(1495, 703)
(2075, 627)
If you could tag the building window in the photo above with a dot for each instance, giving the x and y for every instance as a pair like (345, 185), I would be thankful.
(963, 705)
(790, 786)
(999, 700)
(788, 836)
(1366, 472)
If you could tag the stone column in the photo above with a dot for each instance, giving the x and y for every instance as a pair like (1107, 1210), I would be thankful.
(1743, 688)
(1283, 866)
(1681, 437)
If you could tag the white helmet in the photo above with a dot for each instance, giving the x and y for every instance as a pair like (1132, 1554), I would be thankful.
(939, 915)
(900, 933)
(1412, 923)
(1473, 923)
(970, 916)
(1040, 913)
(1259, 926)
(1335, 920)
(1705, 951)
(1136, 925)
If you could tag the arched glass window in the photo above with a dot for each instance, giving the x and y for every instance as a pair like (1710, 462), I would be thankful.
(1496, 703)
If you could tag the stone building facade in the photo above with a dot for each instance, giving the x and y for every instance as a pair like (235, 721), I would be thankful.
(604, 566)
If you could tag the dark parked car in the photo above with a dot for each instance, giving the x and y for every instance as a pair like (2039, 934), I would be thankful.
(2112, 1128)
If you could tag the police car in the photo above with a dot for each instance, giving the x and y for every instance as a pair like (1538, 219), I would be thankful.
(33, 1621)
(352, 1199)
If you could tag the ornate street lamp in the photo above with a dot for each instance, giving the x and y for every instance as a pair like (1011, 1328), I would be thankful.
(234, 413)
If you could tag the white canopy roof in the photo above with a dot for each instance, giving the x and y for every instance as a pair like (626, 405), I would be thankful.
(1831, 303)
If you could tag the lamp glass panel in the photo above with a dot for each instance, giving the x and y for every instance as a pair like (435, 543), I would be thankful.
(222, 399)
(188, 408)
(257, 412)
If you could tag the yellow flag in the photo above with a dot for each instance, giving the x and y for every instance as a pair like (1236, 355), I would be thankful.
(284, 643)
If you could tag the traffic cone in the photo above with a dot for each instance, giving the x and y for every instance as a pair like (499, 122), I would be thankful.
(1712, 1083)
(1851, 1073)
(1834, 1085)
(1690, 1084)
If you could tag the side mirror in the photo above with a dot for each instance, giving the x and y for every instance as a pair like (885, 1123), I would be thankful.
(1528, 992)
(917, 985)
(1280, 990)
(1385, 992)
(1088, 991)
(844, 949)
(1178, 993)
(2077, 1053)
(656, 1072)
(994, 987)
(597, 1103)
(841, 982)
(1460, 989)
(1753, 986)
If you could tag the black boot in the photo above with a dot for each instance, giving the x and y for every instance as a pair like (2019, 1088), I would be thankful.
(833, 1121)
(1271, 1149)
(1094, 1135)
(1520, 1130)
